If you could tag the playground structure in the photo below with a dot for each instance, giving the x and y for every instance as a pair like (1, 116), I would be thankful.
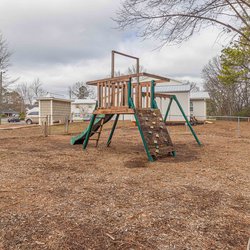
(132, 94)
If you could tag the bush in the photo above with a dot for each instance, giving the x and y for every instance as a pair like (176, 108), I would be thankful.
(22, 116)
(244, 112)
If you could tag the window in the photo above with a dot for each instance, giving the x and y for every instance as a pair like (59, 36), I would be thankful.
(77, 115)
(191, 106)
(33, 113)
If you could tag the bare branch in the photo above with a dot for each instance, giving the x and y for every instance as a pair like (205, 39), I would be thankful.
(176, 21)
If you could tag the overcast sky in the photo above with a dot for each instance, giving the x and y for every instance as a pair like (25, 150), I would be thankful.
(65, 41)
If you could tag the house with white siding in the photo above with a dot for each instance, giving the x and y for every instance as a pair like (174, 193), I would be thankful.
(198, 105)
(193, 103)
(82, 109)
(182, 92)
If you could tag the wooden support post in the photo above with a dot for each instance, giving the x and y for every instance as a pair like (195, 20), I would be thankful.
(113, 130)
(113, 95)
(147, 96)
(45, 123)
(105, 95)
(99, 95)
(66, 123)
(117, 95)
(109, 93)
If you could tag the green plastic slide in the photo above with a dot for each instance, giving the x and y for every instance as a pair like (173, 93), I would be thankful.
(79, 139)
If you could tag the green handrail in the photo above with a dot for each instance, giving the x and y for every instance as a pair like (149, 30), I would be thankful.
(150, 158)
(85, 143)
(152, 94)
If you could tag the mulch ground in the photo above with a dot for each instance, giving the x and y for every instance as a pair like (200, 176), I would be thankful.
(55, 196)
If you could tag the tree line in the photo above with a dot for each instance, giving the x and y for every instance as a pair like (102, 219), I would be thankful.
(227, 79)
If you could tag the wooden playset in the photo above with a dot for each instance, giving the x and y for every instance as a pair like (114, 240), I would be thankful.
(132, 94)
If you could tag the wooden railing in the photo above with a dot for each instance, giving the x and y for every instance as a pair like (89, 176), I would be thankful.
(115, 95)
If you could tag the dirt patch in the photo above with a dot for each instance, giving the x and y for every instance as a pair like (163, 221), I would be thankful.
(56, 196)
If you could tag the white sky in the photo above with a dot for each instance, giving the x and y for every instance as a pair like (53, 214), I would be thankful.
(65, 41)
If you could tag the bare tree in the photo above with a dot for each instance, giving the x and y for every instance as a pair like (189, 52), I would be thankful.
(174, 21)
(4, 54)
(131, 70)
(193, 86)
(29, 92)
(36, 88)
(23, 89)
(81, 91)
(225, 99)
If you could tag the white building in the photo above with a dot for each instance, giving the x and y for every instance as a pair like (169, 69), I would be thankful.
(182, 92)
(82, 109)
(193, 103)
(198, 105)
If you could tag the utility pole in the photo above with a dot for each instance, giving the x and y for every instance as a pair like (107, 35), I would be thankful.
(1, 95)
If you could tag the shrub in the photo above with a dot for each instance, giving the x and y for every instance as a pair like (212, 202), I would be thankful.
(244, 112)
(22, 116)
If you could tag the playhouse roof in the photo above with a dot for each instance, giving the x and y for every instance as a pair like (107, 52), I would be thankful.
(84, 101)
(143, 77)
(46, 98)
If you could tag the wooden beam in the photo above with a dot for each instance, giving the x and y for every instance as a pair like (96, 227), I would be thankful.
(126, 78)
(123, 54)
(162, 95)
(115, 110)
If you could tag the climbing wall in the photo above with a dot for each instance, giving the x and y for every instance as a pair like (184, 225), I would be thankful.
(155, 132)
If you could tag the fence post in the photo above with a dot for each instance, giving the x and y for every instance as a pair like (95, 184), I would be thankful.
(66, 124)
(45, 131)
(49, 124)
(238, 127)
